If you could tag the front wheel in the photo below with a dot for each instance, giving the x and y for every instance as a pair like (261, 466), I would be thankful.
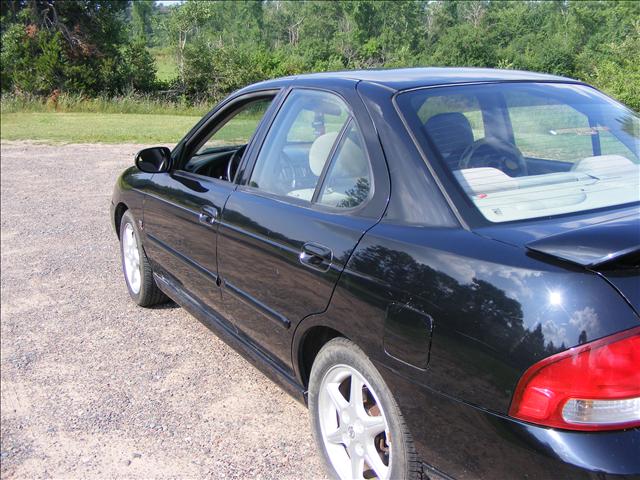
(136, 267)
(355, 419)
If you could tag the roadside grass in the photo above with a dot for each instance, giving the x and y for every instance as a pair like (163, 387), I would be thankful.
(115, 128)
(95, 128)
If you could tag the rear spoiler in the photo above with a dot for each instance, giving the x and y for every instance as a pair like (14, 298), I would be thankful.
(595, 246)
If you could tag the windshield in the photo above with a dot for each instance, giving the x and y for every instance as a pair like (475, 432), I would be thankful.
(528, 150)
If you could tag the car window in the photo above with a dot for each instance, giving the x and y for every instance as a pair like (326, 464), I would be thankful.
(548, 130)
(453, 123)
(611, 145)
(238, 129)
(309, 124)
(348, 180)
(442, 106)
(298, 144)
(549, 149)
(219, 152)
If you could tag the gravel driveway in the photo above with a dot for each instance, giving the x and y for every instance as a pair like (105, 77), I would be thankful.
(93, 386)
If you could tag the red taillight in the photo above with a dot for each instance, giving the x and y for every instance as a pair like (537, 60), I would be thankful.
(595, 386)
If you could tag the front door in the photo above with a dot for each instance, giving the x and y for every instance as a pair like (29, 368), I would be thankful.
(289, 228)
(182, 210)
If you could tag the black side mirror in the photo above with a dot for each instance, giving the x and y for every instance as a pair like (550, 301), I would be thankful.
(153, 160)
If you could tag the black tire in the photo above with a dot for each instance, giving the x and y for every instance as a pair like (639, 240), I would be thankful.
(149, 294)
(340, 351)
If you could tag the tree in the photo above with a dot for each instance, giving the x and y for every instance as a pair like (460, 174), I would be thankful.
(186, 20)
(141, 27)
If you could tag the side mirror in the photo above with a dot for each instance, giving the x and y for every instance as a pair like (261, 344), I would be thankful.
(153, 160)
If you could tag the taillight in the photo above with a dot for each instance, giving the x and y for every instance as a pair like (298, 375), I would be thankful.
(595, 386)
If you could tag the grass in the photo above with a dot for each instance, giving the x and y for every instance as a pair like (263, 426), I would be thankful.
(95, 128)
(117, 128)
(165, 63)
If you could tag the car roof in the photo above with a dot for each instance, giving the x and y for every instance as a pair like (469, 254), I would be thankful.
(407, 78)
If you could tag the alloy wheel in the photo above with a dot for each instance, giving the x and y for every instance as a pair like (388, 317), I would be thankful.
(354, 428)
(131, 258)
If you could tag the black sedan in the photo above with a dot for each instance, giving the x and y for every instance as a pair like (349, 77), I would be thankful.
(444, 264)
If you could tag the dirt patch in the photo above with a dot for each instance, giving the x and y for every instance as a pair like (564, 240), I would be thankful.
(95, 387)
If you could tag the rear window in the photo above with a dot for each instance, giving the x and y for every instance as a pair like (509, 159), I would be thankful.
(528, 150)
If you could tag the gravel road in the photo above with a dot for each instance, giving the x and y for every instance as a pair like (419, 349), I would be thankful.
(95, 387)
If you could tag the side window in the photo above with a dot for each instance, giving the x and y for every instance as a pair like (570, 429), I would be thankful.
(238, 129)
(549, 131)
(301, 138)
(348, 180)
(219, 152)
(611, 145)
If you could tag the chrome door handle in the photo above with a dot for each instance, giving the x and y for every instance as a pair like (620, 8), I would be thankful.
(208, 215)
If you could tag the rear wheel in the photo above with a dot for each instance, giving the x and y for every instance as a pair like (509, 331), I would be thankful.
(355, 419)
(135, 266)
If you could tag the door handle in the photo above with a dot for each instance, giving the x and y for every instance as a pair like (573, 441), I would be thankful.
(208, 215)
(316, 256)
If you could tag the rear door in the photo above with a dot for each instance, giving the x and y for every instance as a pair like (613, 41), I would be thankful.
(317, 183)
(183, 207)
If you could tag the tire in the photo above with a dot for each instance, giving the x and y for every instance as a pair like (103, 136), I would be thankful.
(135, 266)
(348, 436)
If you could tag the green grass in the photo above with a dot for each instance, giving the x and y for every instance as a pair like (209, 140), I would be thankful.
(165, 63)
(117, 128)
(92, 127)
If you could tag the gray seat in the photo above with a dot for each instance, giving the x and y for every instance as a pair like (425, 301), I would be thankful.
(451, 134)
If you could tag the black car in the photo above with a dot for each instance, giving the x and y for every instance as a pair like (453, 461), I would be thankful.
(444, 264)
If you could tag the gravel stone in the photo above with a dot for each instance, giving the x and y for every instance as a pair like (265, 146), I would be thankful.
(90, 380)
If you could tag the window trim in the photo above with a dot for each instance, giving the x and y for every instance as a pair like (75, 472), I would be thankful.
(243, 183)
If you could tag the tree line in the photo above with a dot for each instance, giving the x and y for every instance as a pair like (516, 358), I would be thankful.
(97, 47)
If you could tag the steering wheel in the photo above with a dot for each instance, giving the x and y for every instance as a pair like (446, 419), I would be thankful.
(234, 163)
(287, 176)
(496, 153)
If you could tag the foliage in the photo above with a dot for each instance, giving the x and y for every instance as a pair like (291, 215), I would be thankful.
(207, 49)
(77, 46)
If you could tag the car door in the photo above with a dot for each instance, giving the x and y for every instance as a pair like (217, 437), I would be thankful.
(183, 206)
(317, 183)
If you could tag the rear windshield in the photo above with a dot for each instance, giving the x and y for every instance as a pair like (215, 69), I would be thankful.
(528, 150)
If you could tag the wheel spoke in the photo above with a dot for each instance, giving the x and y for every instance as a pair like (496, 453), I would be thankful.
(374, 425)
(355, 394)
(335, 437)
(338, 400)
(375, 462)
(357, 467)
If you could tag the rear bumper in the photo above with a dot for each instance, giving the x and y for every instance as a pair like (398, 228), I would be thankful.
(462, 441)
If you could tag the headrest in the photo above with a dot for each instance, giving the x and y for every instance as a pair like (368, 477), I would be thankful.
(319, 151)
(480, 180)
(450, 132)
(354, 162)
(602, 164)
